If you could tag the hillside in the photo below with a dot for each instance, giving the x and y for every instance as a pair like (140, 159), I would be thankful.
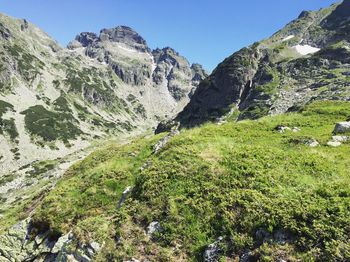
(307, 60)
(267, 193)
(57, 104)
(248, 164)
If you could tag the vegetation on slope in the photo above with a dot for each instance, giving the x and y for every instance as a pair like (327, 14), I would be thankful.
(266, 193)
(49, 125)
(7, 126)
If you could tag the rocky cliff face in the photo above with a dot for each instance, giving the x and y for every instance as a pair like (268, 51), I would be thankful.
(307, 60)
(55, 101)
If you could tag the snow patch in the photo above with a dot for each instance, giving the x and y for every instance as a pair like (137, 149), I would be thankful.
(288, 38)
(306, 49)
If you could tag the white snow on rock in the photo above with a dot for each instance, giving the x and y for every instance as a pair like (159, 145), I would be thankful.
(306, 49)
(288, 38)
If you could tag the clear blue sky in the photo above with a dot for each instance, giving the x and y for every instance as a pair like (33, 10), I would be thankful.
(205, 31)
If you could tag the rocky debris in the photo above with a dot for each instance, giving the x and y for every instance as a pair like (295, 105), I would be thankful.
(125, 194)
(342, 128)
(213, 251)
(153, 227)
(165, 140)
(18, 245)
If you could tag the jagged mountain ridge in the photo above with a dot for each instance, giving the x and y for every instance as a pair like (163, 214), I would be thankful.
(306, 60)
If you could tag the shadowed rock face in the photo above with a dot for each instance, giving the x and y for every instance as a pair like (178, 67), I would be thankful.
(339, 18)
(86, 38)
(272, 77)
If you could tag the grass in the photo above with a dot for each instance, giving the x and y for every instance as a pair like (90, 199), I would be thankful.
(233, 181)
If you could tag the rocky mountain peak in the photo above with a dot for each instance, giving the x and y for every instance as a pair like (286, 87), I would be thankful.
(125, 35)
(304, 14)
(119, 34)
(165, 54)
(86, 38)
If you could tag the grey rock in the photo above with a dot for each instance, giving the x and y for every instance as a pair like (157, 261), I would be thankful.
(60, 244)
(165, 140)
(213, 251)
(95, 246)
(124, 196)
(24, 25)
(312, 143)
(334, 144)
(342, 128)
(153, 228)
(340, 139)
(86, 38)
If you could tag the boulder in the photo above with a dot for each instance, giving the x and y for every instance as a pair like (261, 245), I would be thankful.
(340, 139)
(312, 143)
(342, 128)
(334, 143)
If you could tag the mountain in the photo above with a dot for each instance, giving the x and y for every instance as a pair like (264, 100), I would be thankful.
(54, 101)
(305, 61)
(274, 187)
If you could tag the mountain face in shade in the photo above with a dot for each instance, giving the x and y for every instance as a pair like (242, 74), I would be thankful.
(306, 60)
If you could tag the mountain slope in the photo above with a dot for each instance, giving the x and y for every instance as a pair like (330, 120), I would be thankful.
(307, 60)
(262, 191)
(56, 103)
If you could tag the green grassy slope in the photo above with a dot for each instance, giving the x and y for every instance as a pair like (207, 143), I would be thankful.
(236, 181)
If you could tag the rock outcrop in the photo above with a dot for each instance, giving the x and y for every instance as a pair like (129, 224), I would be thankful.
(21, 244)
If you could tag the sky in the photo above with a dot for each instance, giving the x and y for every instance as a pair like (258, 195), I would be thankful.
(204, 31)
